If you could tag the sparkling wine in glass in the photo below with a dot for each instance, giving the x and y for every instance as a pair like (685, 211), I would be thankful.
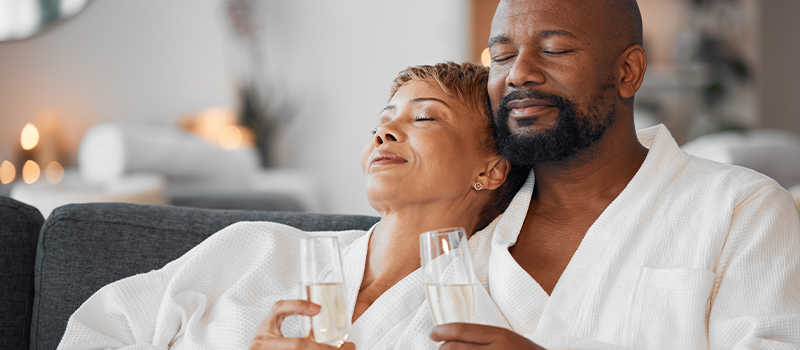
(322, 282)
(448, 275)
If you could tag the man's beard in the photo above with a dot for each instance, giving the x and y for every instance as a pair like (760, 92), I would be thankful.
(574, 130)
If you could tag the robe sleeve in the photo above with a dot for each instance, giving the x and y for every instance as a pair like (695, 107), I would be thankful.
(755, 303)
(552, 342)
(122, 315)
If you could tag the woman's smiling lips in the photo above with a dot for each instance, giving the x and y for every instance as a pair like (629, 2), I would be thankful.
(527, 108)
(378, 158)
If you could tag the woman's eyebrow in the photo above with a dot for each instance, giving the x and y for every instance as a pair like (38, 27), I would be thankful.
(424, 99)
(387, 108)
(415, 101)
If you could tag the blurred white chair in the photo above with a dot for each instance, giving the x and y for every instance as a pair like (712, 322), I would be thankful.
(108, 151)
(772, 152)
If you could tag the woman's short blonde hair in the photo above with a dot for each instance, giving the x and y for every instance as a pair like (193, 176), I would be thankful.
(465, 82)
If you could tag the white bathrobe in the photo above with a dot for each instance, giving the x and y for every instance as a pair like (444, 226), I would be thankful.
(215, 296)
(693, 254)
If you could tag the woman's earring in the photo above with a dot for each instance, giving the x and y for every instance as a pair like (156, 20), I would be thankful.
(477, 186)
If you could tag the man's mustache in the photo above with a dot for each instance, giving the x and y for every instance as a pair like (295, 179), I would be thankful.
(502, 107)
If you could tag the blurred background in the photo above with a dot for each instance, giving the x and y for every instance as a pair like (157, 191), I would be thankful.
(266, 104)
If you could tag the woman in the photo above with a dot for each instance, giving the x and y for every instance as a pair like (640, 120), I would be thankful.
(430, 164)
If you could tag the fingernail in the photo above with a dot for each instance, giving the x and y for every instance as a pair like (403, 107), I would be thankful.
(313, 307)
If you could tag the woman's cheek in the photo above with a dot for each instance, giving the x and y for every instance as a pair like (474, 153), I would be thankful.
(365, 156)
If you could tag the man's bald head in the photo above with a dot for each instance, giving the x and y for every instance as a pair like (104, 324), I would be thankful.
(617, 22)
(625, 21)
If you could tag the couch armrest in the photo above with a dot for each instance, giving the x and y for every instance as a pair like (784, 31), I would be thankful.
(19, 230)
(83, 247)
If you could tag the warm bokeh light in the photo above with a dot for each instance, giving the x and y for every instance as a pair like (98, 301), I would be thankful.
(30, 137)
(218, 127)
(211, 122)
(30, 172)
(486, 58)
(7, 172)
(55, 173)
(230, 137)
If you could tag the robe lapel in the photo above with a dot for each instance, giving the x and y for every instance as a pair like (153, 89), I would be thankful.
(568, 309)
(387, 318)
(520, 298)
(564, 311)
(354, 260)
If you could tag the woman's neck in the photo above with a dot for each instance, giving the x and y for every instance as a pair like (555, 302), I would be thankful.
(394, 246)
(393, 251)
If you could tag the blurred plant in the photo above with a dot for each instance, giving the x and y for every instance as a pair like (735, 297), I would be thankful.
(712, 40)
(260, 108)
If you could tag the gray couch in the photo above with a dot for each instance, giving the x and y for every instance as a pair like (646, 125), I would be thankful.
(82, 247)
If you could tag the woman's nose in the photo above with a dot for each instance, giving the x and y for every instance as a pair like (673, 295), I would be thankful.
(385, 133)
(382, 135)
(525, 71)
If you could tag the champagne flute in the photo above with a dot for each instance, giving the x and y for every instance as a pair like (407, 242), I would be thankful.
(322, 282)
(448, 275)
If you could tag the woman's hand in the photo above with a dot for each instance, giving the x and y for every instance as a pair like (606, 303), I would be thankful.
(269, 334)
(474, 336)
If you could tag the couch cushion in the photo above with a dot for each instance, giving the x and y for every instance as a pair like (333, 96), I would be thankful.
(19, 231)
(86, 246)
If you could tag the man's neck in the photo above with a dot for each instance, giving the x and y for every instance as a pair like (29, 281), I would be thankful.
(595, 178)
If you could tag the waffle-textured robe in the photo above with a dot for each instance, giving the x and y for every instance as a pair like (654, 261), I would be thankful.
(693, 254)
(215, 296)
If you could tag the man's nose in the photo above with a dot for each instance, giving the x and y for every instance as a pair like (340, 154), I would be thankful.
(525, 71)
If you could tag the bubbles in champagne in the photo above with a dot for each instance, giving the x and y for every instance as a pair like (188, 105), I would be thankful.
(452, 303)
(332, 324)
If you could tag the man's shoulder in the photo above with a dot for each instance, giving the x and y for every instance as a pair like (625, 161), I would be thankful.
(737, 181)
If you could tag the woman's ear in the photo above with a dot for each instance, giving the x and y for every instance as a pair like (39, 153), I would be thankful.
(494, 175)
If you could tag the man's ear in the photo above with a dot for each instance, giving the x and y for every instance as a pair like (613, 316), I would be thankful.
(495, 173)
(632, 65)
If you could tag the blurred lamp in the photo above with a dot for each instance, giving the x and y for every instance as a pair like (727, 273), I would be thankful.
(7, 172)
(55, 173)
(30, 172)
(486, 58)
(30, 137)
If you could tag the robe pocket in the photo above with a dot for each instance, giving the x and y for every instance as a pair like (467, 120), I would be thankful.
(668, 308)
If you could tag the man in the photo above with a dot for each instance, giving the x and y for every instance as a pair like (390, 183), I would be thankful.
(625, 241)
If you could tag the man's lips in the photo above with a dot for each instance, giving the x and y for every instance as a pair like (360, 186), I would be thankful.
(378, 158)
(527, 108)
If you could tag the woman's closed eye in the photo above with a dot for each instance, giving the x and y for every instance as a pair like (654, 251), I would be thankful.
(422, 119)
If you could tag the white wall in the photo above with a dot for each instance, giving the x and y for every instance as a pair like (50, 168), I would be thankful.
(156, 60)
(338, 59)
(148, 60)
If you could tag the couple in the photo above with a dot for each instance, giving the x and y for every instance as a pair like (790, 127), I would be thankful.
(620, 240)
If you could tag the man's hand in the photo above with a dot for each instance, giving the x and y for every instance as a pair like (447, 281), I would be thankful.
(269, 334)
(474, 336)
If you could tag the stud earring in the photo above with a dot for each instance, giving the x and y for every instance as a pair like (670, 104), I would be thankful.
(477, 186)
